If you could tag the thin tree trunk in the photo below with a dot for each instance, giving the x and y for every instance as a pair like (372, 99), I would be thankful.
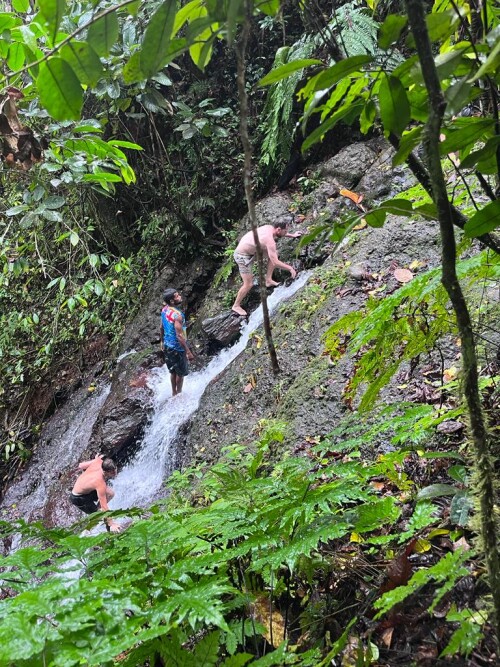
(247, 180)
(478, 430)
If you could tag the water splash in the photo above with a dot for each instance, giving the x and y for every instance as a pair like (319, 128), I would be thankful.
(138, 482)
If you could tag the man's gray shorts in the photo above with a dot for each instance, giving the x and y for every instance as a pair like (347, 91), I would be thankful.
(244, 262)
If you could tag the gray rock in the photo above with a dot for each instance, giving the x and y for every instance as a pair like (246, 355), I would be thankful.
(224, 328)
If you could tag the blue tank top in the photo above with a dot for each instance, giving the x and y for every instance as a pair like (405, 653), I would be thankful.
(168, 316)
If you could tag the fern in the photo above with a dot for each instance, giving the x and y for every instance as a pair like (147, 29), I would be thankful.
(400, 326)
(278, 120)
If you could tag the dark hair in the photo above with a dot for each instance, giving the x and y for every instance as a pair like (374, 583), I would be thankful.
(283, 221)
(108, 465)
(168, 294)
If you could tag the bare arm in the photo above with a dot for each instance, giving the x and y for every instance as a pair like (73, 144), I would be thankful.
(97, 461)
(112, 525)
(295, 235)
(179, 332)
(162, 335)
(273, 258)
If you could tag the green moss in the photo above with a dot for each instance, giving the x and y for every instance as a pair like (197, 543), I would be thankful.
(313, 296)
(311, 377)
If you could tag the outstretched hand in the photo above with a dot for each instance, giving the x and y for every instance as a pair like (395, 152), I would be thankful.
(114, 527)
(296, 235)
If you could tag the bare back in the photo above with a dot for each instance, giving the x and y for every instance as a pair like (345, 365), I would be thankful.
(246, 246)
(92, 479)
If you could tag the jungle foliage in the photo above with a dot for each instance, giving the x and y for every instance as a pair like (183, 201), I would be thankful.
(268, 532)
(255, 561)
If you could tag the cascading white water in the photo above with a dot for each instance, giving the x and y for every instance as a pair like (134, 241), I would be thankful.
(139, 481)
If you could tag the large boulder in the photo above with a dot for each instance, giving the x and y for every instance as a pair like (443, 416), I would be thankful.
(223, 329)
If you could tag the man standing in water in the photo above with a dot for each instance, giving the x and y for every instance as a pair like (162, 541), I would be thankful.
(91, 492)
(173, 340)
(244, 256)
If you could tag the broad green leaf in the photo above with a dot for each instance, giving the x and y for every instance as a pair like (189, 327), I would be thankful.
(157, 38)
(102, 177)
(484, 221)
(436, 491)
(74, 238)
(8, 21)
(132, 71)
(283, 71)
(457, 96)
(102, 34)
(201, 50)
(409, 141)
(125, 144)
(398, 206)
(59, 90)
(464, 132)
(333, 74)
(84, 62)
(268, 7)
(52, 11)
(394, 106)
(16, 56)
(491, 64)
(428, 211)
(367, 116)
(54, 202)
(346, 113)
(487, 151)
(390, 30)
(21, 6)
(376, 218)
(189, 12)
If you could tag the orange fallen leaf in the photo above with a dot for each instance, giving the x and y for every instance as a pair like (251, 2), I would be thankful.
(353, 196)
(403, 275)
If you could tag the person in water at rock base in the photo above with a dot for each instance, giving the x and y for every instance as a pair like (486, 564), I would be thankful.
(91, 492)
(244, 256)
(173, 340)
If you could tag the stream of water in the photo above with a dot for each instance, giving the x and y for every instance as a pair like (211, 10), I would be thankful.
(138, 483)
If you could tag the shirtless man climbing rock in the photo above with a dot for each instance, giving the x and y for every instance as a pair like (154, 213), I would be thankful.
(91, 492)
(244, 256)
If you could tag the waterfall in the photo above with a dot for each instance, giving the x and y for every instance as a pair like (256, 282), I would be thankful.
(137, 484)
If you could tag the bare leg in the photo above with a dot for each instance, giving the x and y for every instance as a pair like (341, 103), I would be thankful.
(173, 382)
(269, 275)
(242, 292)
(180, 382)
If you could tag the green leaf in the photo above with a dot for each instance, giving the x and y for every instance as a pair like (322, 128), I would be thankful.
(84, 61)
(334, 74)
(74, 238)
(390, 30)
(157, 38)
(376, 218)
(102, 34)
(59, 90)
(52, 11)
(491, 64)
(465, 132)
(464, 640)
(436, 491)
(21, 6)
(283, 71)
(268, 7)
(125, 144)
(484, 221)
(346, 112)
(8, 21)
(394, 106)
(487, 151)
(409, 141)
(54, 202)
(367, 116)
(16, 56)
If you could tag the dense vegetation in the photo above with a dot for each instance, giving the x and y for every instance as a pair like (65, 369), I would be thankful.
(253, 567)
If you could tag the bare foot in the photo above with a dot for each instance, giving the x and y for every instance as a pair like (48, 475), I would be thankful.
(239, 311)
(272, 283)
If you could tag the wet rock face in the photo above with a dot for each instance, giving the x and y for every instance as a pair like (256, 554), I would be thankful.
(125, 413)
(223, 329)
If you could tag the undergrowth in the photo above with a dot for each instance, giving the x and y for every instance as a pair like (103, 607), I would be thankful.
(255, 561)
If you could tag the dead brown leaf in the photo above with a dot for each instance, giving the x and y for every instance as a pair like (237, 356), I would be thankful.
(403, 275)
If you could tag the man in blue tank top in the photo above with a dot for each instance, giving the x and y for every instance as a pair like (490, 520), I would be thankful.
(173, 339)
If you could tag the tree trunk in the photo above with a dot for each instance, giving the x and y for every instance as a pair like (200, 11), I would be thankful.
(247, 180)
(478, 430)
